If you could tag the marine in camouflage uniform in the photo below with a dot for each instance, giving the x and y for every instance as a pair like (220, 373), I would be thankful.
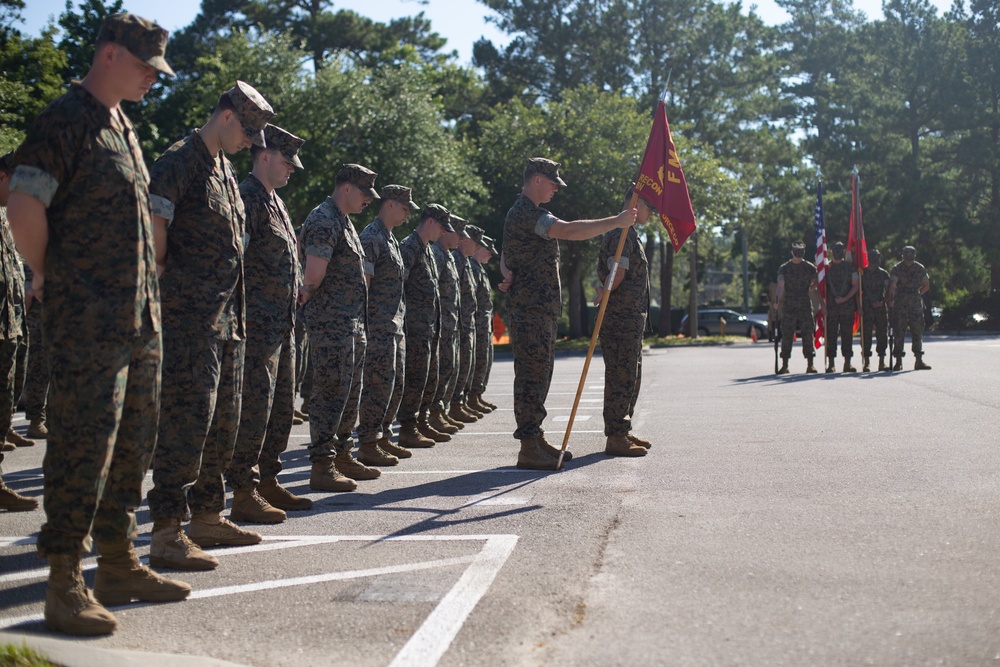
(271, 272)
(796, 279)
(876, 315)
(467, 322)
(11, 330)
(92, 243)
(484, 320)
(624, 324)
(841, 306)
(11, 439)
(385, 358)
(197, 205)
(908, 283)
(422, 320)
(449, 289)
(36, 383)
(335, 296)
(530, 264)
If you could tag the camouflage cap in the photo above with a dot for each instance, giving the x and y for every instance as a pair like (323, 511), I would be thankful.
(547, 168)
(252, 109)
(401, 194)
(909, 250)
(285, 143)
(839, 245)
(439, 214)
(459, 224)
(874, 252)
(489, 244)
(361, 177)
(144, 39)
(475, 233)
(798, 245)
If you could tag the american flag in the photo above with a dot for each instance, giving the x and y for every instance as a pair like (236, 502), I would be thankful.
(822, 265)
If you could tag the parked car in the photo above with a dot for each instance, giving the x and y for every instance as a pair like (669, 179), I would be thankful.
(710, 324)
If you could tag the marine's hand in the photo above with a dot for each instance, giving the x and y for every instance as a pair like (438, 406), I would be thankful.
(626, 218)
(507, 281)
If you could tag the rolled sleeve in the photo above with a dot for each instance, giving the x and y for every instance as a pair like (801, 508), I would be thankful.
(544, 224)
(369, 268)
(162, 207)
(34, 182)
(623, 264)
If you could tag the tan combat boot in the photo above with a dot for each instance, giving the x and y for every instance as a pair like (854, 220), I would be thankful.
(410, 437)
(881, 364)
(476, 401)
(635, 440)
(325, 477)
(619, 445)
(370, 454)
(210, 529)
(301, 414)
(478, 414)
(70, 607)
(18, 440)
(848, 368)
(448, 419)
(898, 365)
(459, 413)
(440, 423)
(810, 366)
(37, 430)
(830, 368)
(121, 578)
(399, 452)
(784, 367)
(919, 364)
(14, 502)
(280, 497)
(867, 366)
(171, 548)
(429, 431)
(350, 467)
(552, 450)
(533, 457)
(250, 506)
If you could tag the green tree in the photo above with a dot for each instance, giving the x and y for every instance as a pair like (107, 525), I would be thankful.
(30, 78)
(79, 33)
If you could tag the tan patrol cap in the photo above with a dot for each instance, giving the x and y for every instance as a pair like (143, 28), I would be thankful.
(253, 110)
(285, 143)
(144, 39)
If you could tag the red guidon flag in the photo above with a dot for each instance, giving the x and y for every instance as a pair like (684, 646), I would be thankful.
(857, 248)
(662, 183)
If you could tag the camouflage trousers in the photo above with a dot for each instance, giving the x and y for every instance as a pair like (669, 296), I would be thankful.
(36, 382)
(382, 390)
(8, 360)
(448, 366)
(333, 404)
(909, 314)
(484, 358)
(840, 326)
(199, 420)
(266, 412)
(466, 359)
(800, 319)
(433, 377)
(20, 370)
(417, 365)
(104, 397)
(622, 379)
(303, 379)
(533, 342)
(877, 319)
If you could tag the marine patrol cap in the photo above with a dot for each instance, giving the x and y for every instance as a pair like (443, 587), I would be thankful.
(252, 109)
(361, 177)
(459, 224)
(440, 215)
(545, 167)
(839, 245)
(475, 233)
(874, 253)
(489, 244)
(798, 245)
(285, 143)
(401, 194)
(909, 250)
(144, 39)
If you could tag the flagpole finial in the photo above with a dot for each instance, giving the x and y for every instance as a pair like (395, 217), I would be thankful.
(666, 86)
(855, 170)
(819, 174)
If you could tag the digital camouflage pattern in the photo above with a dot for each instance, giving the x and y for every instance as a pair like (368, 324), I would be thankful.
(12, 292)
(36, 383)
(545, 167)
(908, 306)
(285, 143)
(467, 321)
(422, 301)
(84, 164)
(622, 380)
(628, 305)
(253, 111)
(875, 290)
(337, 370)
(336, 310)
(533, 341)
(533, 257)
(384, 360)
(484, 329)
(840, 316)
(202, 285)
(448, 338)
(144, 39)
(362, 177)
(796, 308)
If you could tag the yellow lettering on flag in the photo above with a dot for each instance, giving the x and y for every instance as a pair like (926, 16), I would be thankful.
(674, 161)
(672, 177)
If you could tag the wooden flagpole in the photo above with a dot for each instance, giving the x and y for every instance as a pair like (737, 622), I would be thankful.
(609, 283)
(856, 206)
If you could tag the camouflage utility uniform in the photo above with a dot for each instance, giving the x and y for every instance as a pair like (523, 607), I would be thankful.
(271, 274)
(11, 322)
(622, 330)
(101, 319)
(484, 329)
(796, 308)
(534, 303)
(36, 382)
(875, 290)
(204, 328)
(335, 320)
(908, 306)
(467, 321)
(385, 357)
(420, 288)
(448, 340)
(840, 316)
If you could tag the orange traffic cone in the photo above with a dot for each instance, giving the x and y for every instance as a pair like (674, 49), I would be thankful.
(753, 334)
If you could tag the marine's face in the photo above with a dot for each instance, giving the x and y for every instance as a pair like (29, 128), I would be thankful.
(435, 229)
(467, 246)
(547, 188)
(643, 212)
(482, 255)
(233, 137)
(279, 169)
(357, 199)
(134, 77)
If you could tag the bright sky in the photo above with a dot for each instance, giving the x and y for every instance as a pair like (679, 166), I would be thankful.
(461, 22)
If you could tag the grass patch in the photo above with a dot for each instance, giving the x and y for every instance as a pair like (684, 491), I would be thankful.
(22, 656)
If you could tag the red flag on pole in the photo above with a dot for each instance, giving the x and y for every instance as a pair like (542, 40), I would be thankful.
(856, 245)
(662, 183)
